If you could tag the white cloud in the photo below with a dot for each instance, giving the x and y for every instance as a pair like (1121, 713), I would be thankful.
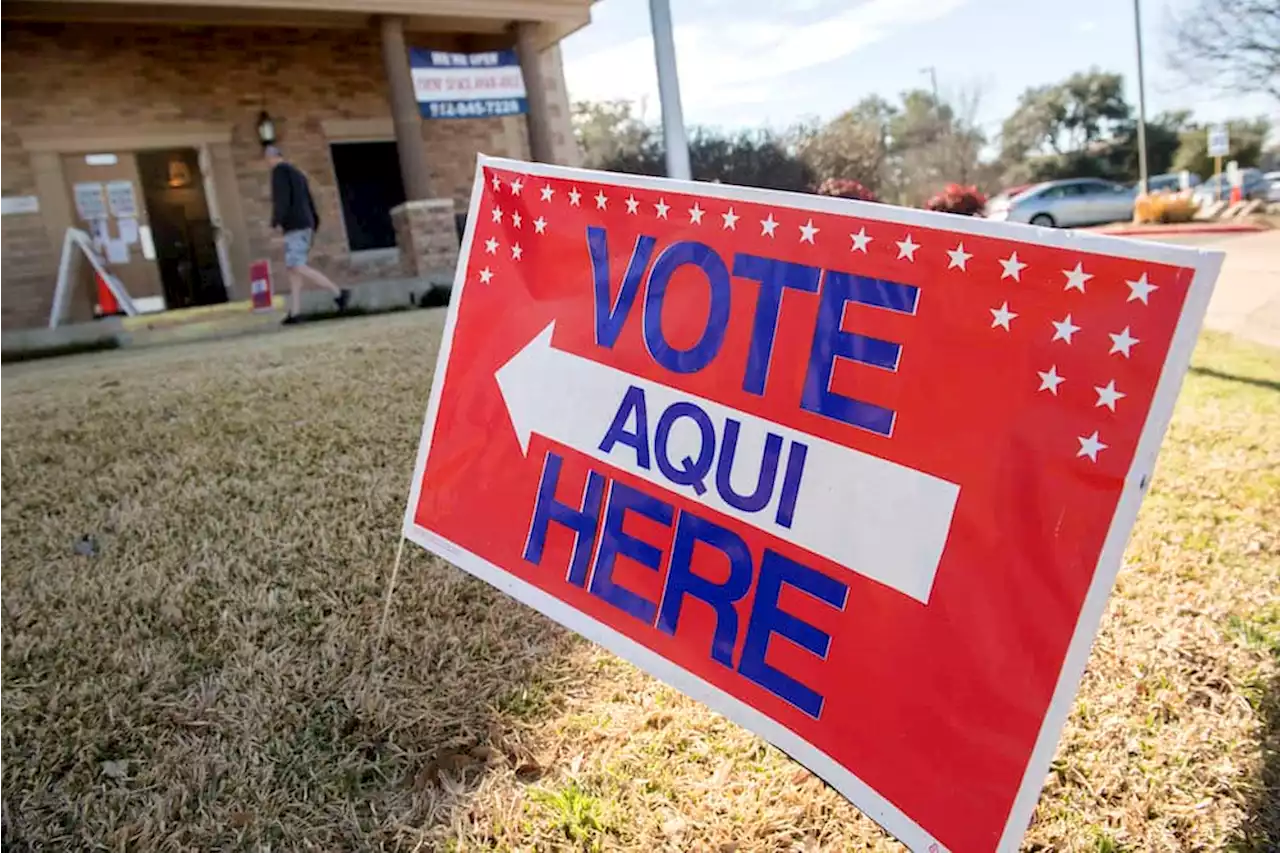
(744, 61)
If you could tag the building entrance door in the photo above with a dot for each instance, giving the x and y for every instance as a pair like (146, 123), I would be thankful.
(107, 202)
(185, 234)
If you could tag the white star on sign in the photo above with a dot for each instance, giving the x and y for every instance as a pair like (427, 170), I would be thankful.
(1050, 380)
(730, 220)
(1090, 446)
(860, 241)
(497, 214)
(491, 246)
(485, 275)
(1063, 329)
(516, 186)
(662, 207)
(767, 225)
(1122, 342)
(959, 257)
(1108, 395)
(807, 231)
(1140, 289)
(574, 196)
(632, 205)
(695, 214)
(1012, 267)
(516, 251)
(1076, 278)
(547, 192)
(516, 219)
(907, 249)
(601, 200)
(497, 184)
(539, 225)
(1002, 316)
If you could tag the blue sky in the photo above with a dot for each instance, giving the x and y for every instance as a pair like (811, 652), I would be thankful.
(744, 63)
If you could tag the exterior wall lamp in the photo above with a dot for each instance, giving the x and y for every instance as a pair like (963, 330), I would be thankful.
(266, 129)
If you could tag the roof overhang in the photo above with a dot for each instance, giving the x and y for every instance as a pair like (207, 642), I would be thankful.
(555, 18)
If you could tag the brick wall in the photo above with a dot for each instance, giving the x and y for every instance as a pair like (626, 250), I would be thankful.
(112, 75)
(26, 259)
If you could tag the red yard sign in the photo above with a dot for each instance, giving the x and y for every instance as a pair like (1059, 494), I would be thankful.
(856, 476)
(260, 285)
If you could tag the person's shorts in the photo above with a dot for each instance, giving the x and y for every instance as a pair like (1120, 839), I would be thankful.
(297, 245)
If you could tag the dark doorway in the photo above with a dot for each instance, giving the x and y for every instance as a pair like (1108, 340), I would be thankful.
(369, 184)
(183, 232)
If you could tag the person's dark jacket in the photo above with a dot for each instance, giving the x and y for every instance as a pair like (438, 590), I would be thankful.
(292, 208)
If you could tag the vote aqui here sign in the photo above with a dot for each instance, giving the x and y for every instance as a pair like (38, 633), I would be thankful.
(858, 477)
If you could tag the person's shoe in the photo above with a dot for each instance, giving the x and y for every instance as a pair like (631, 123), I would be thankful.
(290, 319)
(343, 297)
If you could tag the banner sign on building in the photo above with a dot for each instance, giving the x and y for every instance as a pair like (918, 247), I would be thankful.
(467, 85)
(856, 476)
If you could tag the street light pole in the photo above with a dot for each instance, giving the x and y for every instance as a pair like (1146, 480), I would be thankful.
(664, 54)
(933, 79)
(1142, 103)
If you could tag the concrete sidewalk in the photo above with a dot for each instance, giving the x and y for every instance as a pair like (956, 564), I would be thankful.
(1246, 301)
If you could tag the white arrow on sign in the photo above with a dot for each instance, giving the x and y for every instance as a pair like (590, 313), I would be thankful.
(882, 520)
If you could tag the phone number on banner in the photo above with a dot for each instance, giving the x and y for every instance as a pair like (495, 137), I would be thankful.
(473, 109)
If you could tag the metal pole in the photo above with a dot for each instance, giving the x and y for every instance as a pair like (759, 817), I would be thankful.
(933, 79)
(664, 55)
(1142, 103)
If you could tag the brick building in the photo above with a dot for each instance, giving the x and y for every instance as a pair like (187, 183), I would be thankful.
(169, 96)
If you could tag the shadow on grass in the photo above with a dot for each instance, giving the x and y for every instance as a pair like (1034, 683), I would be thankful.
(1257, 382)
(1261, 831)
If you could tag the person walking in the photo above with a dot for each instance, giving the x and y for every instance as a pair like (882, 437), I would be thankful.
(293, 211)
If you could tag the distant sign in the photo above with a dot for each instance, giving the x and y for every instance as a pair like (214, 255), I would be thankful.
(467, 85)
(858, 477)
(13, 204)
(1219, 143)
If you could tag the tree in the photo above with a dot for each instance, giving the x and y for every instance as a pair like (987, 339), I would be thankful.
(1067, 117)
(853, 145)
(931, 145)
(1067, 130)
(612, 138)
(608, 131)
(1164, 136)
(1234, 45)
(1247, 138)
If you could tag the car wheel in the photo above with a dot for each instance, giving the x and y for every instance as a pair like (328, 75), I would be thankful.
(1044, 220)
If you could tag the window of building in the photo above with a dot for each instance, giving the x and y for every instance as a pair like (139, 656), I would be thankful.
(369, 185)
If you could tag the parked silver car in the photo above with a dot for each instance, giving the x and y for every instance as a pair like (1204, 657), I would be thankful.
(1078, 201)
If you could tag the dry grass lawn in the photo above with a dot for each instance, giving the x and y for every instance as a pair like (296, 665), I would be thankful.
(204, 679)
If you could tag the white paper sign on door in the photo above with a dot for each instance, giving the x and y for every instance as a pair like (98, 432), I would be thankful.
(121, 198)
(91, 200)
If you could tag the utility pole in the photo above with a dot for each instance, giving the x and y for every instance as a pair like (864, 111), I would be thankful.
(664, 54)
(1142, 103)
(933, 80)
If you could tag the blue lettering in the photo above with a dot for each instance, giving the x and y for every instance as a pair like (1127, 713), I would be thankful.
(610, 317)
(681, 581)
(758, 499)
(613, 541)
(768, 619)
(791, 484)
(701, 353)
(691, 472)
(632, 401)
(773, 276)
(831, 342)
(581, 521)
